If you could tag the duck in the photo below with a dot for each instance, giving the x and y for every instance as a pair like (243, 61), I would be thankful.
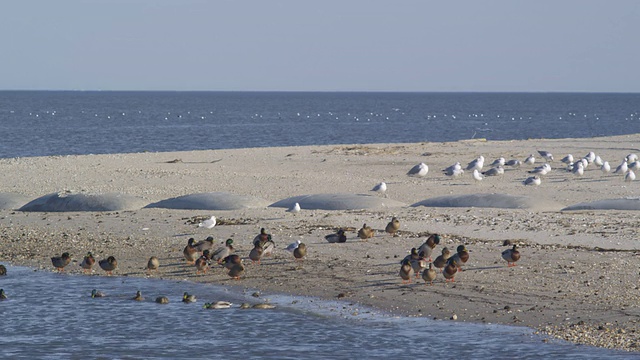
(202, 263)
(153, 264)
(393, 226)
(413, 255)
(88, 262)
(418, 265)
(190, 252)
(236, 271)
(109, 264)
(266, 241)
(460, 257)
(442, 259)
(300, 252)
(95, 293)
(406, 271)
(3, 270)
(188, 298)
(256, 253)
(427, 247)
(262, 237)
(231, 261)
(223, 251)
(511, 256)
(338, 237)
(217, 305)
(59, 262)
(263, 306)
(449, 271)
(162, 300)
(206, 244)
(138, 296)
(366, 232)
(3, 295)
(428, 275)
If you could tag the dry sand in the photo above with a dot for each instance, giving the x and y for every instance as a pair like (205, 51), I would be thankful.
(577, 279)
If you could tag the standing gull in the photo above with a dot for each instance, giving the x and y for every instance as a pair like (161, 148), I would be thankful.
(476, 164)
(380, 188)
(420, 170)
(545, 154)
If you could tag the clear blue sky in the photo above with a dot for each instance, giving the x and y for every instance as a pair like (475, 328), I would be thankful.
(328, 45)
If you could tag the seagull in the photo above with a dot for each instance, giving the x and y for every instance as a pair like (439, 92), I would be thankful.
(578, 168)
(513, 162)
(419, 170)
(533, 180)
(452, 169)
(605, 167)
(530, 160)
(631, 157)
(591, 157)
(294, 209)
(498, 162)
(209, 223)
(598, 161)
(567, 159)
(541, 170)
(293, 246)
(380, 188)
(635, 165)
(499, 170)
(622, 168)
(630, 176)
(476, 164)
(477, 176)
(455, 172)
(545, 154)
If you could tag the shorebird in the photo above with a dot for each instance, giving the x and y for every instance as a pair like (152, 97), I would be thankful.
(629, 176)
(545, 154)
(494, 171)
(567, 159)
(598, 161)
(294, 209)
(622, 168)
(533, 180)
(513, 163)
(453, 169)
(209, 223)
(578, 168)
(59, 262)
(476, 164)
(605, 167)
(477, 176)
(590, 157)
(294, 245)
(380, 188)
(499, 162)
(631, 157)
(420, 170)
(530, 160)
(511, 256)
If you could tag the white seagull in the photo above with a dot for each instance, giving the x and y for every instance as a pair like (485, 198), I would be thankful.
(293, 246)
(591, 157)
(545, 154)
(567, 159)
(294, 209)
(380, 188)
(419, 170)
(534, 180)
(477, 176)
(513, 162)
(499, 162)
(622, 168)
(476, 164)
(499, 170)
(209, 223)
(452, 169)
(578, 168)
(530, 160)
(605, 167)
(598, 161)
(631, 157)
(630, 176)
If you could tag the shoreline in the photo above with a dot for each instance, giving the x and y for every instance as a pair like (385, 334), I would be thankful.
(566, 284)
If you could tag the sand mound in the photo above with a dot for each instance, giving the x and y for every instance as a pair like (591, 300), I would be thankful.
(608, 204)
(338, 202)
(211, 201)
(66, 201)
(503, 201)
(10, 201)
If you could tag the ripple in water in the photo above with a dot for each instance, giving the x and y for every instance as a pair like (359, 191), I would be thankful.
(52, 315)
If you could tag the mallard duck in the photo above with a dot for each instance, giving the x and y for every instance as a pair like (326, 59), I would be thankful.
(223, 251)
(263, 237)
(245, 306)
(511, 256)
(268, 247)
(406, 271)
(393, 226)
(428, 275)
(236, 271)
(59, 262)
(460, 257)
(426, 249)
(3, 270)
(256, 253)
(300, 252)
(202, 263)
(263, 306)
(441, 260)
(188, 298)
(450, 271)
(153, 264)
(365, 232)
(138, 296)
(231, 260)
(218, 305)
(413, 255)
(109, 264)
(87, 262)
(3, 295)
(191, 254)
(206, 244)
(338, 237)
(418, 265)
(162, 300)
(95, 293)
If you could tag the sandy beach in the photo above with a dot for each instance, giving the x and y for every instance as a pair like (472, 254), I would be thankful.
(577, 279)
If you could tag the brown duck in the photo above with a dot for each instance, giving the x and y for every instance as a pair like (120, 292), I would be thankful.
(191, 254)
(366, 232)
(441, 260)
(88, 262)
(109, 264)
(300, 252)
(511, 256)
(59, 262)
(426, 249)
(393, 226)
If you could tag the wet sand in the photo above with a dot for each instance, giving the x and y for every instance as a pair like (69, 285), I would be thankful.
(577, 278)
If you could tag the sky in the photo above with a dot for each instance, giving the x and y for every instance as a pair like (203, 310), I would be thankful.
(328, 45)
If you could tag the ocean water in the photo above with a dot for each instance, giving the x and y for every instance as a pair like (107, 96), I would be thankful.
(52, 316)
(40, 123)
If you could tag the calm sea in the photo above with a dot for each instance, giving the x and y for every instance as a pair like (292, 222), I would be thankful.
(37, 123)
(52, 316)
